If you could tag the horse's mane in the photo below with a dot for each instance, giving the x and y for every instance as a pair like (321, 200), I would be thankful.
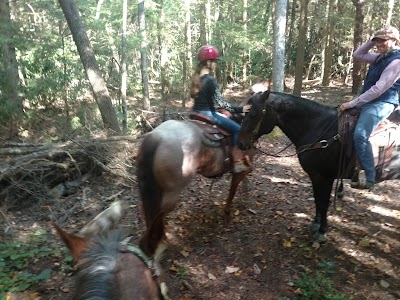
(306, 104)
(95, 279)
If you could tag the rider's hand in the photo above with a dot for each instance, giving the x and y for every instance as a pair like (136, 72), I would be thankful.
(246, 108)
(344, 106)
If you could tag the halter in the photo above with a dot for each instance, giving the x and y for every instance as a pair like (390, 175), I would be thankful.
(126, 247)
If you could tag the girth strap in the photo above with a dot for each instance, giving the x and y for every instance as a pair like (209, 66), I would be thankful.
(318, 145)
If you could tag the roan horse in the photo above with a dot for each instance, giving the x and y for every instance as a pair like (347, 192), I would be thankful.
(168, 158)
(313, 129)
(108, 266)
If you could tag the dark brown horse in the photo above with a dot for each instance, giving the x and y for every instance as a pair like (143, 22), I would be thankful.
(313, 129)
(168, 158)
(108, 265)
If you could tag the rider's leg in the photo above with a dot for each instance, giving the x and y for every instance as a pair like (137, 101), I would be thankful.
(241, 163)
(371, 115)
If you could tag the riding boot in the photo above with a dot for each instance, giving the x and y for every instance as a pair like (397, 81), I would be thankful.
(241, 160)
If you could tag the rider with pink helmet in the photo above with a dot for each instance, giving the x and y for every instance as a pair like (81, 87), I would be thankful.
(207, 97)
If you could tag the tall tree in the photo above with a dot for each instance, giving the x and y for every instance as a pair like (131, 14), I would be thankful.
(187, 62)
(301, 44)
(278, 60)
(143, 55)
(163, 52)
(329, 43)
(245, 55)
(357, 41)
(390, 12)
(89, 62)
(11, 91)
(123, 67)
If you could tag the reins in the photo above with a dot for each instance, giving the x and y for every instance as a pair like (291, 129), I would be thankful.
(322, 144)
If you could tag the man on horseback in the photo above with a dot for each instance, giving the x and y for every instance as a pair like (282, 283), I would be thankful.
(379, 96)
(206, 95)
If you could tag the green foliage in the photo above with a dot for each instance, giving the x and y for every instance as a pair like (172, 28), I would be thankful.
(8, 110)
(319, 285)
(17, 259)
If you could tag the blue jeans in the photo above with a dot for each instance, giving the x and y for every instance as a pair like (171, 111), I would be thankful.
(371, 115)
(224, 123)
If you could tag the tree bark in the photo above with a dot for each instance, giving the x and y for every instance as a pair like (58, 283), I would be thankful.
(358, 32)
(278, 63)
(11, 92)
(301, 48)
(123, 67)
(329, 43)
(187, 62)
(143, 55)
(246, 54)
(89, 62)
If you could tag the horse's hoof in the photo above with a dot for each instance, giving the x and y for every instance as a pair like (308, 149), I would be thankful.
(314, 228)
(319, 237)
(227, 217)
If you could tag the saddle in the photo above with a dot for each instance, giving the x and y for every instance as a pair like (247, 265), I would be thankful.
(213, 135)
(383, 140)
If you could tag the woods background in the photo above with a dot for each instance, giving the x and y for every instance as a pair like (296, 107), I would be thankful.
(138, 56)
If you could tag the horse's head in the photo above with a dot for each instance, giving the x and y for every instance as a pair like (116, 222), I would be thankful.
(260, 120)
(103, 222)
(108, 265)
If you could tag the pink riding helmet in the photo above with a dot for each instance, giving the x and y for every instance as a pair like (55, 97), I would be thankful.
(207, 52)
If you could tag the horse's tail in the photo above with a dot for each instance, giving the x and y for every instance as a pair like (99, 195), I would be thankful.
(154, 234)
(150, 194)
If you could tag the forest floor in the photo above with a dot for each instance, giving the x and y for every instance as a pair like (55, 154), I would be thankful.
(264, 250)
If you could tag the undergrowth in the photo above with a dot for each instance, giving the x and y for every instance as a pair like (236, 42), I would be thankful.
(319, 285)
(18, 260)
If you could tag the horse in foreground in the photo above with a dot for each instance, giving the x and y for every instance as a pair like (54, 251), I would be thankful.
(168, 158)
(313, 129)
(108, 265)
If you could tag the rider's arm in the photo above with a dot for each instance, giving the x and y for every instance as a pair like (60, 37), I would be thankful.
(362, 53)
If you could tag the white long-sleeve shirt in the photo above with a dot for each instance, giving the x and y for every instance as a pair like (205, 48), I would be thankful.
(388, 77)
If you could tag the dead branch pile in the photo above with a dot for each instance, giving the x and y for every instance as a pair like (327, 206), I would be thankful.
(46, 171)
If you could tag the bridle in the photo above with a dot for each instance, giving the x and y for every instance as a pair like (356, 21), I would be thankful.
(322, 144)
(258, 125)
(126, 247)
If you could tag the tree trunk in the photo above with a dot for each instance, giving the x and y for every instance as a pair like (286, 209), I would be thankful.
(187, 62)
(390, 12)
(288, 64)
(143, 55)
(123, 67)
(329, 43)
(358, 33)
(202, 24)
(89, 62)
(10, 61)
(301, 48)
(278, 77)
(245, 55)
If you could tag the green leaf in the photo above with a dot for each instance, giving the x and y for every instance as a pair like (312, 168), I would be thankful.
(45, 274)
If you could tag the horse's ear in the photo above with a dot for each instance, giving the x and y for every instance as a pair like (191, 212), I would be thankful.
(105, 220)
(75, 244)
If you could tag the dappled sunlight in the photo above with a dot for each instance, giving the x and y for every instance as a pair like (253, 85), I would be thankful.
(385, 211)
(364, 248)
(301, 216)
